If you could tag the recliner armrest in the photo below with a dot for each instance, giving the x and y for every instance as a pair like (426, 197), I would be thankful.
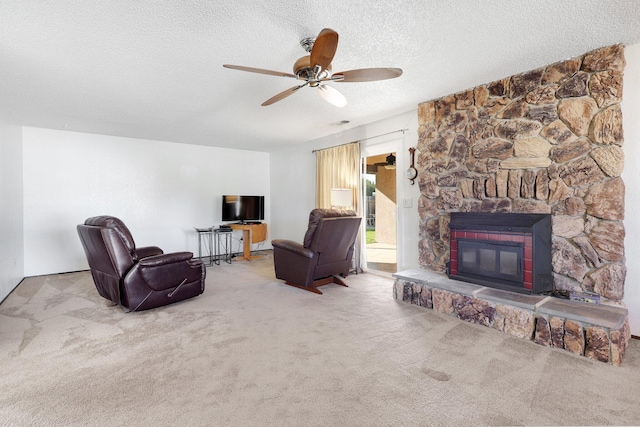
(294, 247)
(171, 258)
(148, 251)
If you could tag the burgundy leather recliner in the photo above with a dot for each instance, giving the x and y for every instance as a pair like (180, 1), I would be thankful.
(327, 251)
(137, 278)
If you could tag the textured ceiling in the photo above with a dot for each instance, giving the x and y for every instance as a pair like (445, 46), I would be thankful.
(153, 69)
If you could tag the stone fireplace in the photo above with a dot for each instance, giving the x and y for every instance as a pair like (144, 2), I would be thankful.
(544, 142)
(547, 141)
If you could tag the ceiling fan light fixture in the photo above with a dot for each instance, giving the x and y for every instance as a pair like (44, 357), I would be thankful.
(332, 96)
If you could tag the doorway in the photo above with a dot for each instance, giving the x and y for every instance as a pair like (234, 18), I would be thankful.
(380, 209)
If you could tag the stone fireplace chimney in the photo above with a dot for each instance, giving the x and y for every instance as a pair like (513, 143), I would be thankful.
(547, 141)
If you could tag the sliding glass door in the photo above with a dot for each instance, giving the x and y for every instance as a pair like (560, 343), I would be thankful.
(379, 211)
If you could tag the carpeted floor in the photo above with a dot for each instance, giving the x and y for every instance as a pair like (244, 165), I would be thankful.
(251, 351)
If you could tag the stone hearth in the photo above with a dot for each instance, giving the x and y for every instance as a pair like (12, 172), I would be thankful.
(596, 332)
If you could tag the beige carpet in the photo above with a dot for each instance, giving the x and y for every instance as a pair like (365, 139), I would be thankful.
(251, 351)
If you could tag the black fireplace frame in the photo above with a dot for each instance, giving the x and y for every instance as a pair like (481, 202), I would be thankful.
(537, 226)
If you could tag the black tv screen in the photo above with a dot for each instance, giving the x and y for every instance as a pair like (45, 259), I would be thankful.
(242, 208)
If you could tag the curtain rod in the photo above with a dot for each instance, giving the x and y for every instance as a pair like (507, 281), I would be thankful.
(364, 139)
(384, 134)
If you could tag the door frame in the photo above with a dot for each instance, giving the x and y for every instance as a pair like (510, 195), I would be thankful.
(376, 146)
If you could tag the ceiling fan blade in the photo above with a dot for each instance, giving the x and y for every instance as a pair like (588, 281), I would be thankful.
(259, 70)
(324, 48)
(367, 75)
(282, 95)
(332, 96)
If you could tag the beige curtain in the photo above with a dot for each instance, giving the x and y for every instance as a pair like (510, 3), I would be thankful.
(338, 167)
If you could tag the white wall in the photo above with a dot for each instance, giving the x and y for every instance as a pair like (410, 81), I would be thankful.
(631, 178)
(293, 180)
(11, 229)
(161, 190)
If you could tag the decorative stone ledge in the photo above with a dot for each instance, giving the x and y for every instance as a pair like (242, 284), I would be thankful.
(598, 332)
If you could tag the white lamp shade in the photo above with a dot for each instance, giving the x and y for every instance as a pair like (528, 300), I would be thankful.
(342, 197)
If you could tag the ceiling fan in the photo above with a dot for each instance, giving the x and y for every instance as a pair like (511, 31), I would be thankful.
(315, 70)
(390, 162)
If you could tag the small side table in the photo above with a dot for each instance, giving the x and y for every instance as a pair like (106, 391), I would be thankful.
(223, 241)
(251, 233)
(205, 237)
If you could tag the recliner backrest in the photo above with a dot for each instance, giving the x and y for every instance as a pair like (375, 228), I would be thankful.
(118, 227)
(334, 238)
(108, 245)
(314, 218)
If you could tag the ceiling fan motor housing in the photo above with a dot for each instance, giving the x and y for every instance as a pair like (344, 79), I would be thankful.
(302, 69)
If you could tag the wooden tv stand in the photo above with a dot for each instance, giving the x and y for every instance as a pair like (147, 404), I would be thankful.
(251, 233)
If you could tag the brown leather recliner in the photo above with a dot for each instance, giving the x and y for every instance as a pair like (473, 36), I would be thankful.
(327, 251)
(137, 278)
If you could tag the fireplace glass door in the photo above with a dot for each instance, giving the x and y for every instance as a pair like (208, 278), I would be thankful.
(490, 259)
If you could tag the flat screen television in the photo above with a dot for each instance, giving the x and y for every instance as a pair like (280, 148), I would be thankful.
(242, 208)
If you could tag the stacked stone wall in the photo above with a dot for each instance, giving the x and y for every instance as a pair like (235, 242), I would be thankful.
(545, 141)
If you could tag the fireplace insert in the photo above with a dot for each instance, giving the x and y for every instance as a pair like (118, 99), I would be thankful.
(502, 250)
